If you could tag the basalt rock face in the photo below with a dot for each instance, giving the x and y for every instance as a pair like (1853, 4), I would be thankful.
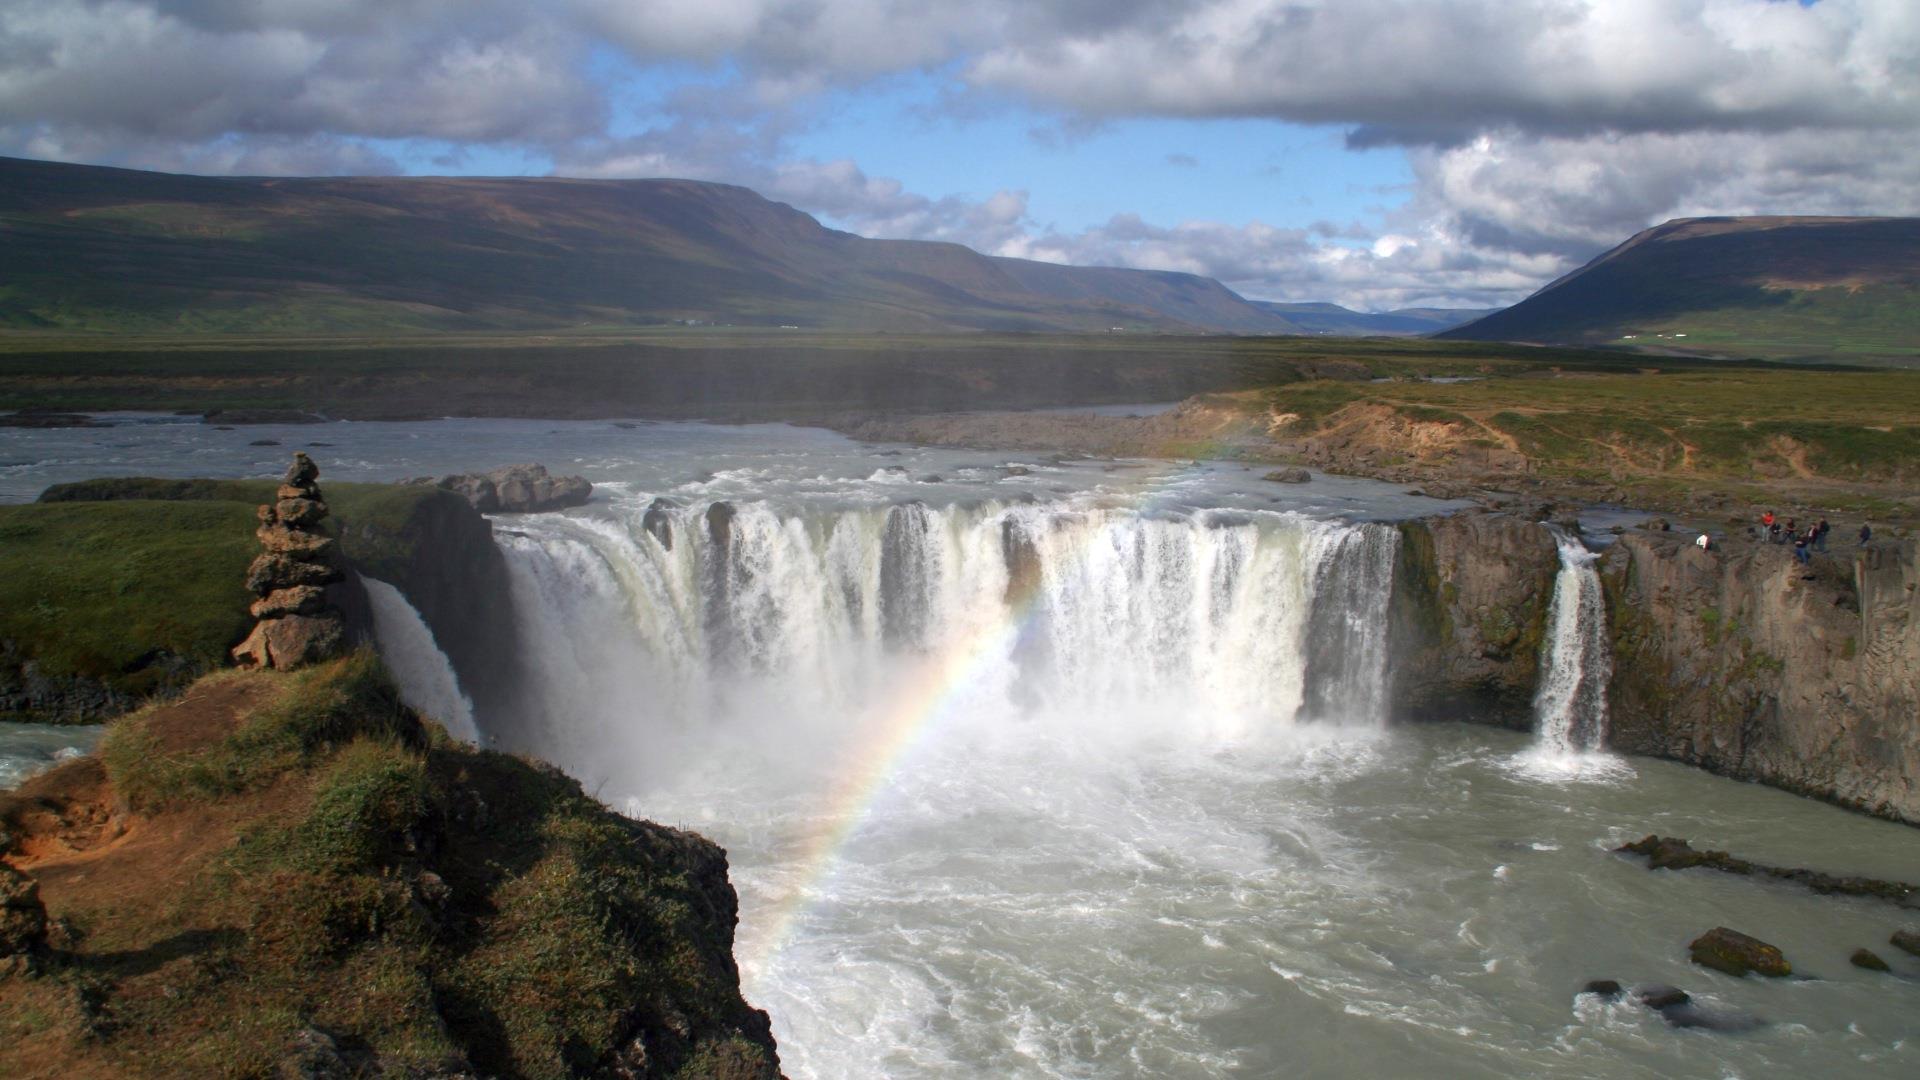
(440, 553)
(298, 625)
(1742, 662)
(515, 489)
(1469, 612)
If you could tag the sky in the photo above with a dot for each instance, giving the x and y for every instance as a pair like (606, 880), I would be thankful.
(1374, 153)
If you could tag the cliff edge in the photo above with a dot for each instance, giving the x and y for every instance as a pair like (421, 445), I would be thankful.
(1742, 662)
(291, 874)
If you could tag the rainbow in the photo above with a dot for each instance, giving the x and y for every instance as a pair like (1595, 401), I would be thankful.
(930, 697)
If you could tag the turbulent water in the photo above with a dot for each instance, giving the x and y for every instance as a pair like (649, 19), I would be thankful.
(1076, 769)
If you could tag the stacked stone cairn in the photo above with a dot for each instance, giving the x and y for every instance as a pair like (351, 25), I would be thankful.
(297, 624)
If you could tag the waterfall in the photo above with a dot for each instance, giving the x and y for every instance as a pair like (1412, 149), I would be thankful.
(1570, 706)
(425, 676)
(643, 625)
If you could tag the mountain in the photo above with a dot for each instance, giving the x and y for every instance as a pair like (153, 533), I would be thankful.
(1345, 322)
(92, 248)
(1763, 286)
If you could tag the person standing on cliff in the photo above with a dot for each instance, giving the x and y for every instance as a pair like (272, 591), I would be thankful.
(1866, 534)
(1800, 550)
(1820, 532)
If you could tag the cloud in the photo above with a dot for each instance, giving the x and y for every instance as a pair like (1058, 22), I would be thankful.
(1539, 131)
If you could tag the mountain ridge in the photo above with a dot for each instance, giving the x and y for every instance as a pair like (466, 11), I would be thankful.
(105, 249)
(1773, 286)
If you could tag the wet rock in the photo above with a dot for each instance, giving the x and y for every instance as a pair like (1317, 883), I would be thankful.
(1293, 475)
(1679, 1010)
(1868, 959)
(720, 526)
(1673, 853)
(1018, 470)
(264, 442)
(515, 489)
(1737, 954)
(658, 521)
(1906, 941)
(1606, 988)
(1660, 996)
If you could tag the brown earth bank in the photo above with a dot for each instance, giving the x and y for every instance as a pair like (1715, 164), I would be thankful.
(1440, 452)
(292, 874)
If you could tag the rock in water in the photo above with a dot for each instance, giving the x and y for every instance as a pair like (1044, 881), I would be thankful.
(1868, 959)
(1906, 941)
(1294, 475)
(515, 489)
(298, 625)
(1737, 954)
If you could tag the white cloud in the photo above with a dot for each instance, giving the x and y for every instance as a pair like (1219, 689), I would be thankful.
(1540, 131)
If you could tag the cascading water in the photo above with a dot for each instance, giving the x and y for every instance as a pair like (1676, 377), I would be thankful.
(1570, 705)
(642, 624)
(425, 676)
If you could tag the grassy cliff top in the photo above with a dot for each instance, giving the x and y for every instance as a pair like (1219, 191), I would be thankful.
(279, 870)
(135, 584)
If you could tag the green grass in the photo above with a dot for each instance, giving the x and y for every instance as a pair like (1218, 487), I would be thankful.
(315, 711)
(423, 901)
(110, 591)
(135, 584)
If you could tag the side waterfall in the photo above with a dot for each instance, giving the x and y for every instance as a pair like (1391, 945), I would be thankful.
(1570, 706)
(1213, 623)
(426, 678)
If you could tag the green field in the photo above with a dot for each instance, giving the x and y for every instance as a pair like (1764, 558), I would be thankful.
(135, 585)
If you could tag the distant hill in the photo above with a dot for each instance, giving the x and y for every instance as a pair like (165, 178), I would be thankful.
(98, 249)
(1788, 287)
(1345, 322)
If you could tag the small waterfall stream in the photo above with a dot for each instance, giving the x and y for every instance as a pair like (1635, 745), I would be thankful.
(425, 676)
(1570, 705)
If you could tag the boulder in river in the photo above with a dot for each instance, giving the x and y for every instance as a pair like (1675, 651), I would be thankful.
(1291, 475)
(1738, 954)
(515, 489)
(1906, 941)
(1868, 959)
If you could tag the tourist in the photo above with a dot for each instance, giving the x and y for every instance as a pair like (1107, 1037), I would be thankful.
(1800, 550)
(1866, 534)
(1766, 521)
(1773, 531)
(1820, 534)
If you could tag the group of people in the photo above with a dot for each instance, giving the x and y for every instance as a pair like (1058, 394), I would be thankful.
(1805, 542)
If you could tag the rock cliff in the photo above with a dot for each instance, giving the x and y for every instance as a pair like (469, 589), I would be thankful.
(1742, 662)
(1469, 611)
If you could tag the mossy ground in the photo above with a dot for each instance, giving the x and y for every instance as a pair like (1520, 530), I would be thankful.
(136, 583)
(334, 864)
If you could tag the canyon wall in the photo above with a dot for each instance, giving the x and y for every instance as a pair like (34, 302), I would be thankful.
(1736, 660)
(1744, 663)
(1469, 613)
